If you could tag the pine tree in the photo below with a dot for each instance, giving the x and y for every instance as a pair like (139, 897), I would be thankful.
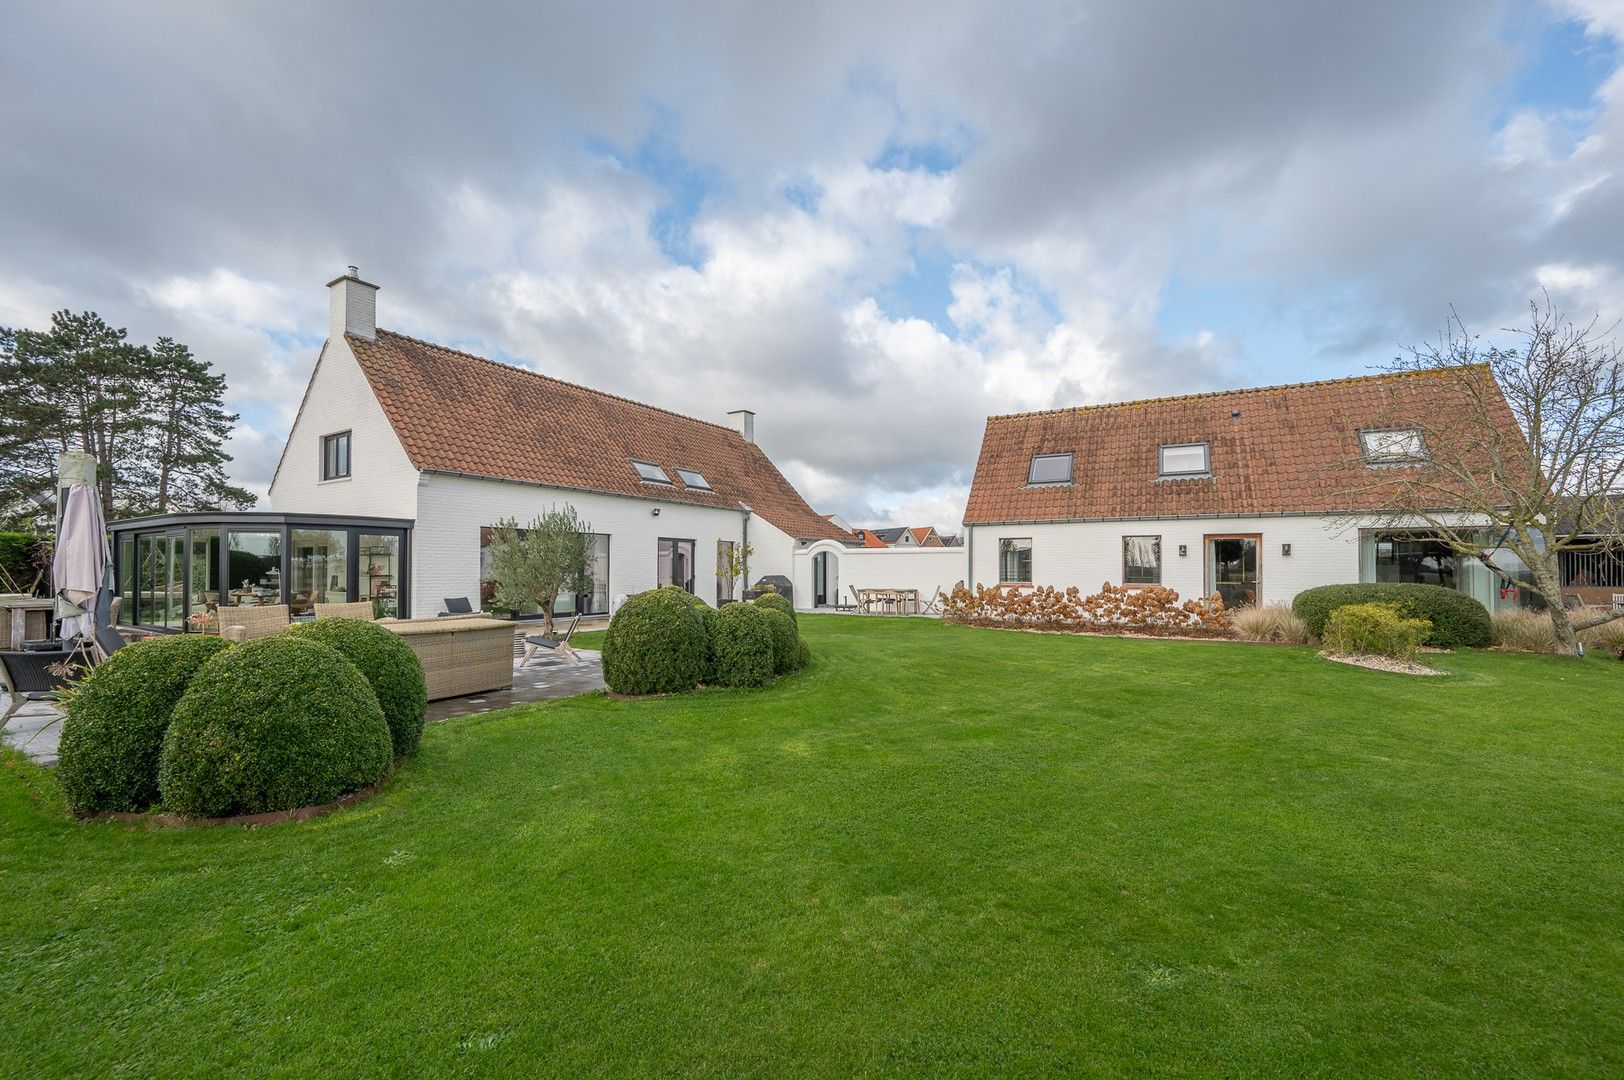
(189, 430)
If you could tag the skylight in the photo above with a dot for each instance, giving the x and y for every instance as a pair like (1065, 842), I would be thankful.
(1393, 446)
(650, 472)
(1185, 459)
(1049, 469)
(694, 479)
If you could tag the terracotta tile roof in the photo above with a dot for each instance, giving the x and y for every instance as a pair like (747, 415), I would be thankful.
(1279, 449)
(867, 538)
(459, 413)
(921, 533)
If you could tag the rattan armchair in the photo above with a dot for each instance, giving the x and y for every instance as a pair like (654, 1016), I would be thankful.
(248, 623)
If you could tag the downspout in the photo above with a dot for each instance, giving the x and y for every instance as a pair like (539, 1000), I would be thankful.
(744, 551)
(970, 557)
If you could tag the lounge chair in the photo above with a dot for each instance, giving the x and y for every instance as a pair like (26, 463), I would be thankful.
(249, 623)
(537, 645)
(28, 675)
(458, 605)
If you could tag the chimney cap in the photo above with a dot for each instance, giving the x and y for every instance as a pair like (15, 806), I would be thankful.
(351, 273)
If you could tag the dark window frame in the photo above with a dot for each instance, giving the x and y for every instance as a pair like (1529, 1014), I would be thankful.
(329, 468)
(702, 484)
(1206, 459)
(1156, 537)
(663, 480)
(693, 570)
(1071, 469)
(1004, 540)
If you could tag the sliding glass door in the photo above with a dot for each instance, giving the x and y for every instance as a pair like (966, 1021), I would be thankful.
(1232, 569)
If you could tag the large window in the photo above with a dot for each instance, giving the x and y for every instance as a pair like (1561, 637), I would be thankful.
(379, 572)
(1415, 558)
(160, 561)
(676, 563)
(335, 456)
(1015, 560)
(1049, 469)
(206, 571)
(1141, 560)
(1185, 459)
(1393, 446)
(724, 571)
(318, 566)
(594, 600)
(253, 568)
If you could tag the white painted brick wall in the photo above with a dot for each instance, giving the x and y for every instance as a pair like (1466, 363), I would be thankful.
(924, 568)
(452, 509)
(382, 481)
(1324, 551)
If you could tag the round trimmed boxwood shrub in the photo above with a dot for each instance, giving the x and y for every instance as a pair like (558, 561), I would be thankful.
(656, 644)
(1457, 620)
(776, 602)
(389, 667)
(743, 645)
(116, 719)
(803, 653)
(785, 641)
(273, 724)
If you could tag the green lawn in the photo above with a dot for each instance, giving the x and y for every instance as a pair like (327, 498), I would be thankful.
(938, 849)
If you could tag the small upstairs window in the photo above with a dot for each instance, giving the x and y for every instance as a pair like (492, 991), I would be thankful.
(1185, 459)
(1393, 446)
(1049, 469)
(694, 479)
(335, 456)
(651, 473)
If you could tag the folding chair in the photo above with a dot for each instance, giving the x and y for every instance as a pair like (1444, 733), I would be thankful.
(537, 645)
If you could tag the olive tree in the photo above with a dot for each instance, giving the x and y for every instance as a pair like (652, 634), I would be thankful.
(534, 564)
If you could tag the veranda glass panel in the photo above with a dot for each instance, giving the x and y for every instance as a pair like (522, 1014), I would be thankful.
(253, 569)
(379, 570)
(319, 569)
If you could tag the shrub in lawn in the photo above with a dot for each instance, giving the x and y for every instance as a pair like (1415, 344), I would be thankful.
(1269, 622)
(657, 643)
(1115, 609)
(785, 641)
(1457, 620)
(1609, 636)
(272, 724)
(116, 719)
(776, 602)
(389, 667)
(743, 645)
(1375, 630)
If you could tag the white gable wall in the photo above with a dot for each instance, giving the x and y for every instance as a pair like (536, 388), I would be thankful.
(382, 481)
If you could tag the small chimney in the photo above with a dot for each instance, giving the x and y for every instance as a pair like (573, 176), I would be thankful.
(352, 306)
(744, 422)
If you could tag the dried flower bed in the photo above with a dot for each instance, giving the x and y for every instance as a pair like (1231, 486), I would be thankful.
(1147, 609)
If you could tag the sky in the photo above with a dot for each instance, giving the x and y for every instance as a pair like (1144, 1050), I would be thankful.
(874, 224)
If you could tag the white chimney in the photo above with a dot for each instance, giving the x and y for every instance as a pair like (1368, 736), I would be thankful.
(352, 307)
(744, 422)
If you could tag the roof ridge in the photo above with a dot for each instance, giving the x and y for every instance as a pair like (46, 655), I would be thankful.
(1374, 376)
(554, 379)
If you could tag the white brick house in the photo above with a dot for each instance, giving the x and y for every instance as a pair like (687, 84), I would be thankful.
(396, 427)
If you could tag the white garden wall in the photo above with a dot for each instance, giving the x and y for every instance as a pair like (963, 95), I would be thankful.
(924, 568)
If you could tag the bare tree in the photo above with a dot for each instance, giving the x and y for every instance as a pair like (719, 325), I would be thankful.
(1523, 445)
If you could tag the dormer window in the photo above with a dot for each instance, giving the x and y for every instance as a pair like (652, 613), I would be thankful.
(651, 473)
(1393, 446)
(1185, 459)
(1049, 469)
(694, 479)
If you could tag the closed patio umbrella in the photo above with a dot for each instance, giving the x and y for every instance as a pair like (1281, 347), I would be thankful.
(81, 570)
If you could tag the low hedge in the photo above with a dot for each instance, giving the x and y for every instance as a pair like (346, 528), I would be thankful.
(1457, 620)
(743, 645)
(389, 667)
(776, 602)
(273, 724)
(1375, 630)
(116, 718)
(785, 641)
(657, 643)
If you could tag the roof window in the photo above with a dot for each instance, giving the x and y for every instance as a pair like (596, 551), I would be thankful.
(1393, 446)
(651, 473)
(1049, 469)
(694, 479)
(1185, 459)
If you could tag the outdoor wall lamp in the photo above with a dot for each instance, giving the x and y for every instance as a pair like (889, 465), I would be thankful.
(654, 512)
(1285, 549)
(1184, 550)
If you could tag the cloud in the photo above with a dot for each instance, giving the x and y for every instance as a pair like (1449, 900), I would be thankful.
(875, 224)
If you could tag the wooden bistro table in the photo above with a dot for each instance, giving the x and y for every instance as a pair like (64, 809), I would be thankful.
(25, 619)
(888, 601)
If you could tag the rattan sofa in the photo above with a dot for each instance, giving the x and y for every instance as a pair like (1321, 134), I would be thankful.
(250, 623)
(360, 609)
(462, 655)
